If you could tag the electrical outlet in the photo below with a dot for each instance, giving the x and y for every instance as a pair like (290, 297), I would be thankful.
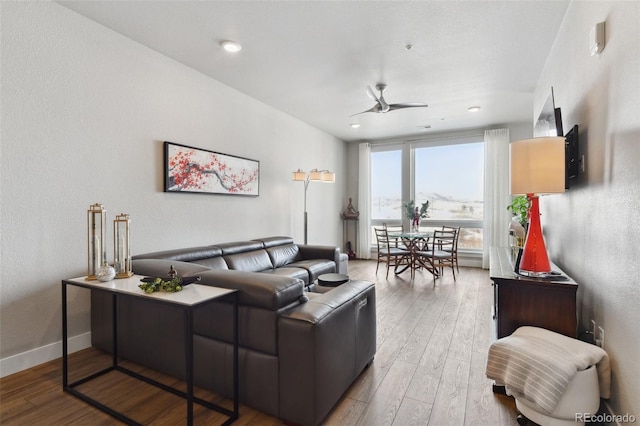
(600, 339)
(593, 328)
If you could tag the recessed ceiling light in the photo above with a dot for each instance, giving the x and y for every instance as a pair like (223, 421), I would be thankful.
(354, 125)
(473, 109)
(231, 46)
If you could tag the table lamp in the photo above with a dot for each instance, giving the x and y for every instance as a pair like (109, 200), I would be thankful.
(537, 168)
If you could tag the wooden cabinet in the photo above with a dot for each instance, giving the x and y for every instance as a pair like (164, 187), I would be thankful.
(522, 301)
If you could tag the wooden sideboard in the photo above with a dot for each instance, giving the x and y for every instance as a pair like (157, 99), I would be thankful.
(522, 300)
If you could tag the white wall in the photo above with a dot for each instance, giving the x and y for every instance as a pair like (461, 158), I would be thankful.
(592, 230)
(84, 113)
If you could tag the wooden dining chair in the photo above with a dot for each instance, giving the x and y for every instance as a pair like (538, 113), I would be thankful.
(389, 252)
(455, 229)
(438, 253)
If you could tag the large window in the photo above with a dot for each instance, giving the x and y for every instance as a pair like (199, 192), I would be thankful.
(386, 185)
(451, 178)
(448, 173)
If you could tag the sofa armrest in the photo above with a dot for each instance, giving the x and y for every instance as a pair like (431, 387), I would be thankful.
(307, 252)
(323, 346)
(266, 291)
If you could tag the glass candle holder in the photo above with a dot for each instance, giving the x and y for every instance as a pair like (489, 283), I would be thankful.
(96, 225)
(122, 246)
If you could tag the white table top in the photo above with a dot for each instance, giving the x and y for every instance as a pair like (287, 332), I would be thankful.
(192, 294)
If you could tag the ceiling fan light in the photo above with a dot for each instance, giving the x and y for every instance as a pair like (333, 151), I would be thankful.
(231, 46)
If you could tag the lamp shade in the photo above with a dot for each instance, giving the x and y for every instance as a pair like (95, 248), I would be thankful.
(315, 175)
(538, 166)
(328, 176)
(299, 175)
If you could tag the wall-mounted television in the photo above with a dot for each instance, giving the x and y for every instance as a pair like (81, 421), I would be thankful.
(571, 159)
(549, 122)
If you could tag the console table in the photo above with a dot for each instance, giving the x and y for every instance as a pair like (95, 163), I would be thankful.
(191, 297)
(519, 300)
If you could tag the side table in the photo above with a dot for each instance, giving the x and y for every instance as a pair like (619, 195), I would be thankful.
(191, 297)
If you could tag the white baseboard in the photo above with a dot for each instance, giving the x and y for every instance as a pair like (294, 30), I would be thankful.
(37, 356)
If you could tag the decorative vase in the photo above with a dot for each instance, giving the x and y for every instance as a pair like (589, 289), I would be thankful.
(105, 273)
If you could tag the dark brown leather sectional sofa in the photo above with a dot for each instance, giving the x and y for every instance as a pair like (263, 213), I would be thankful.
(301, 346)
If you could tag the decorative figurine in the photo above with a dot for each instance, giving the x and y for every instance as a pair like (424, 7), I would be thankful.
(350, 212)
(172, 272)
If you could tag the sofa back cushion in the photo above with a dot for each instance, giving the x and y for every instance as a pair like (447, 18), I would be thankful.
(252, 261)
(189, 254)
(213, 262)
(282, 255)
(274, 241)
(240, 247)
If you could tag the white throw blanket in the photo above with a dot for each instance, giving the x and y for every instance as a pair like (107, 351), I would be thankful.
(538, 364)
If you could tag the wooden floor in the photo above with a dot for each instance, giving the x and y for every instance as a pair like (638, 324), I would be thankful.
(428, 369)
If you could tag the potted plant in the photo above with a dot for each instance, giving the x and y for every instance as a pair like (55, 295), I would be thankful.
(520, 208)
(517, 227)
(415, 213)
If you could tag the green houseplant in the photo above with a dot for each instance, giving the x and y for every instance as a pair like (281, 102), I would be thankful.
(520, 208)
(518, 227)
(414, 214)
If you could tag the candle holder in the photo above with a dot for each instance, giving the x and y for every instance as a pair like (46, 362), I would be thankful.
(96, 225)
(121, 246)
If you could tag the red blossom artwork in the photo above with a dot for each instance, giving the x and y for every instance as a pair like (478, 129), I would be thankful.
(196, 170)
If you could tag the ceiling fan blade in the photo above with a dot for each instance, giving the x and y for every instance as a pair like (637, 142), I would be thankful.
(375, 108)
(384, 106)
(403, 105)
(371, 94)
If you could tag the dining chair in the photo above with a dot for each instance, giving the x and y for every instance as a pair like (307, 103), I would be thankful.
(455, 229)
(389, 252)
(394, 229)
(438, 253)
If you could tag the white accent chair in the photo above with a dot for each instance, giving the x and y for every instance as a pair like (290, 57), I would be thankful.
(582, 397)
(582, 394)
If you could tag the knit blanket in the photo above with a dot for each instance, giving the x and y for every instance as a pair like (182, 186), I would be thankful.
(538, 364)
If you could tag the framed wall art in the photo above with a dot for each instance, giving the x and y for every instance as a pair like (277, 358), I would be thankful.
(189, 169)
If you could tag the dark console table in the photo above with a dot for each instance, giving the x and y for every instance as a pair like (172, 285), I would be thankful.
(187, 300)
(519, 300)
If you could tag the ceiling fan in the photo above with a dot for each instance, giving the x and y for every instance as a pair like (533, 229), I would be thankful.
(382, 106)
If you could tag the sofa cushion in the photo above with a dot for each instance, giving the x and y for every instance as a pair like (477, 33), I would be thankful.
(283, 254)
(261, 290)
(299, 273)
(213, 262)
(189, 254)
(160, 267)
(315, 267)
(239, 247)
(251, 261)
(274, 241)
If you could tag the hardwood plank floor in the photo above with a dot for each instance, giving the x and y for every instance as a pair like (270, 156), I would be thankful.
(428, 370)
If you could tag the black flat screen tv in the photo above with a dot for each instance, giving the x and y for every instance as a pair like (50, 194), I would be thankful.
(571, 159)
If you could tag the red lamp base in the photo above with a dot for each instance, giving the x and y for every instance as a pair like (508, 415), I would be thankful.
(535, 259)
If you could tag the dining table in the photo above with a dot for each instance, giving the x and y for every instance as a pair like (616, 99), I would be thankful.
(414, 242)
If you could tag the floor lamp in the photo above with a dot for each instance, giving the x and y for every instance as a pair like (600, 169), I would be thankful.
(314, 175)
(537, 167)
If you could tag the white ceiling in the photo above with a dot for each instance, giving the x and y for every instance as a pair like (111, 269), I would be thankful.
(314, 59)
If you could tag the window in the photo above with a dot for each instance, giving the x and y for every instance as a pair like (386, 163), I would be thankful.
(451, 177)
(449, 173)
(386, 185)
